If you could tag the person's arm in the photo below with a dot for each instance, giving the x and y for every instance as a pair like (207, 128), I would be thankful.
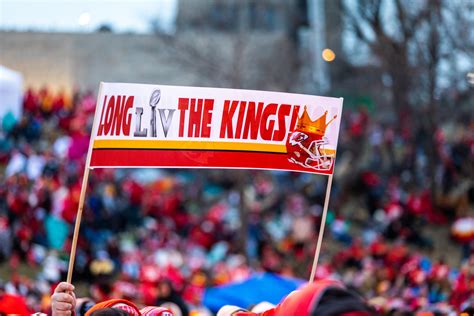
(63, 301)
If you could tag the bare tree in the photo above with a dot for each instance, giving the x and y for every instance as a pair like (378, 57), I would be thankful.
(242, 60)
(425, 48)
(218, 40)
(413, 41)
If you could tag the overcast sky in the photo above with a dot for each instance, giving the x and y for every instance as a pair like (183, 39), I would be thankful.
(86, 15)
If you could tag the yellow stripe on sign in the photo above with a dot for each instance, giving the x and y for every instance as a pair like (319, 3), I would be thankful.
(190, 145)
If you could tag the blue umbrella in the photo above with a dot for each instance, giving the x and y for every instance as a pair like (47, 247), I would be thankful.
(258, 288)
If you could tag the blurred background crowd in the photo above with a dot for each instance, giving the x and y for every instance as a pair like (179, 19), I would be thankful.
(141, 228)
(400, 226)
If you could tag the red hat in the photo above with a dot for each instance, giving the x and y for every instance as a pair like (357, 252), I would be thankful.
(122, 304)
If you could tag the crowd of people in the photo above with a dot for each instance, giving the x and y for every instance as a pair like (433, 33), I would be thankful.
(155, 236)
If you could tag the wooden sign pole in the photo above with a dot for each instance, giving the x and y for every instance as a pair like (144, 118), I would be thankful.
(77, 225)
(87, 168)
(321, 229)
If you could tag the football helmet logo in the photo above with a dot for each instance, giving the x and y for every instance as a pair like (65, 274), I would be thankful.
(306, 144)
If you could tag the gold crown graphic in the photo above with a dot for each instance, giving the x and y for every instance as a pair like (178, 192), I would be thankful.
(318, 127)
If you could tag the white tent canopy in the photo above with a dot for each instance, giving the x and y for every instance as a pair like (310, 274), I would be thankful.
(11, 92)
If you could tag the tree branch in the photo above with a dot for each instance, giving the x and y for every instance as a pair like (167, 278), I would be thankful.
(353, 22)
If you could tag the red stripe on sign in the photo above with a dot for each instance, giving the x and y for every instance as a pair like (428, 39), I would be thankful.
(124, 158)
